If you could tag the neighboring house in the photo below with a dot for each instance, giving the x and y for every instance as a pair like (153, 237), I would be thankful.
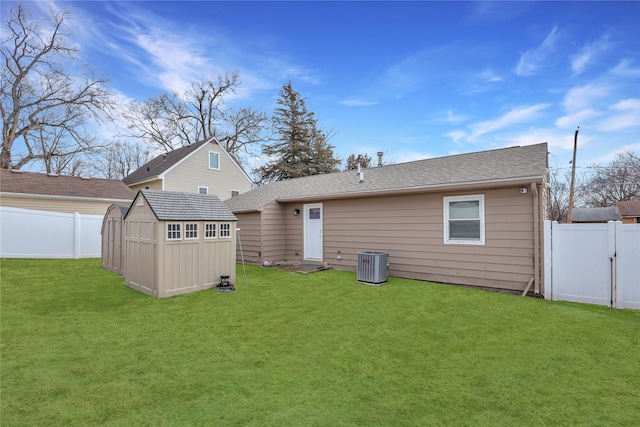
(178, 242)
(204, 167)
(52, 216)
(629, 211)
(595, 215)
(58, 193)
(472, 219)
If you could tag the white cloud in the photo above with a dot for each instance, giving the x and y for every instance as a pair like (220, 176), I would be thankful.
(625, 69)
(626, 116)
(533, 59)
(456, 135)
(575, 119)
(588, 54)
(516, 115)
(584, 97)
(490, 76)
(357, 103)
(409, 156)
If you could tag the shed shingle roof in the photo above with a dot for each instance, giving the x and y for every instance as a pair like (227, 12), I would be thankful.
(177, 206)
(20, 182)
(501, 165)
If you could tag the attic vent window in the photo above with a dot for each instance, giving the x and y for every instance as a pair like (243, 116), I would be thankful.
(214, 160)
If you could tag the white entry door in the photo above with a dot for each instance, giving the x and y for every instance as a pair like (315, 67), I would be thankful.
(313, 232)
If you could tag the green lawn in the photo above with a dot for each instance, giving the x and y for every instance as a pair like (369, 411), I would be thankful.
(81, 349)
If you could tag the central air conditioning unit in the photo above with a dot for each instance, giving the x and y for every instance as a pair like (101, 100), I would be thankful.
(372, 267)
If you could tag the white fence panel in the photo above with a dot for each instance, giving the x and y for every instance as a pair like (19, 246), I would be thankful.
(26, 233)
(581, 263)
(593, 263)
(628, 266)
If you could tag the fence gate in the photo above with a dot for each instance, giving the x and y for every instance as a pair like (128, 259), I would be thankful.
(593, 263)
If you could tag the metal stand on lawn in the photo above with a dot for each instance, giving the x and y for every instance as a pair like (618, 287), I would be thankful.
(246, 283)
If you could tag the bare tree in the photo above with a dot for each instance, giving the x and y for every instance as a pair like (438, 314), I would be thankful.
(119, 159)
(43, 106)
(169, 121)
(616, 181)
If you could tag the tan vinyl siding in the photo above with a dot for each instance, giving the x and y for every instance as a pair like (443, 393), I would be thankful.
(294, 243)
(194, 172)
(410, 229)
(156, 184)
(273, 232)
(86, 207)
(250, 227)
(113, 245)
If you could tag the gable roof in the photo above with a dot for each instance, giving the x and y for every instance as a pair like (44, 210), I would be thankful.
(595, 214)
(21, 182)
(161, 164)
(178, 206)
(629, 208)
(486, 168)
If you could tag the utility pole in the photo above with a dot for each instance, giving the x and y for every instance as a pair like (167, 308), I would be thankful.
(573, 177)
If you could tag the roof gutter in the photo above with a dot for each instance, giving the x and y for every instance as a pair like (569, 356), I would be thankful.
(471, 185)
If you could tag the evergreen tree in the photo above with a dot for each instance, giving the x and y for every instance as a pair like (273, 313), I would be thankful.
(300, 148)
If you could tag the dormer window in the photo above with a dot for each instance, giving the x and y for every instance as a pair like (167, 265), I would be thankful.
(214, 160)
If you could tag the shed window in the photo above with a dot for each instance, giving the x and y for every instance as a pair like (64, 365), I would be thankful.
(210, 230)
(174, 231)
(191, 231)
(464, 220)
(225, 230)
(214, 160)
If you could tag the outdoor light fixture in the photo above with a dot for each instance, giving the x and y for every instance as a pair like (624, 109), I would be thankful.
(296, 212)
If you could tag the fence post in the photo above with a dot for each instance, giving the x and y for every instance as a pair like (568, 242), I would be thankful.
(76, 235)
(611, 253)
(548, 280)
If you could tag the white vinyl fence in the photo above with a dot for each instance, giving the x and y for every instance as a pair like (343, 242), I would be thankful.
(593, 263)
(26, 233)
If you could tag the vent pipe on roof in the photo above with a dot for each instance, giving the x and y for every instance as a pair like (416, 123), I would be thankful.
(380, 153)
(361, 173)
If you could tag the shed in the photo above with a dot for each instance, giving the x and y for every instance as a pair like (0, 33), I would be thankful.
(177, 243)
(113, 239)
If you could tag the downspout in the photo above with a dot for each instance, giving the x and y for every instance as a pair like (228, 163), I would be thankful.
(536, 239)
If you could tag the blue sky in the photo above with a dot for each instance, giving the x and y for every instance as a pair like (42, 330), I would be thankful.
(413, 79)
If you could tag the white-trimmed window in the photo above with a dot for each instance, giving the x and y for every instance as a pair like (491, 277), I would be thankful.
(191, 230)
(203, 190)
(464, 219)
(210, 230)
(225, 230)
(174, 231)
(214, 160)
(234, 193)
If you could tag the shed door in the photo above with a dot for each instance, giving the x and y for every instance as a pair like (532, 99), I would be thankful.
(313, 232)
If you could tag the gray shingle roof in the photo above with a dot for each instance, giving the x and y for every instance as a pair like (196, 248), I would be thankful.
(162, 163)
(501, 165)
(176, 206)
(595, 214)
